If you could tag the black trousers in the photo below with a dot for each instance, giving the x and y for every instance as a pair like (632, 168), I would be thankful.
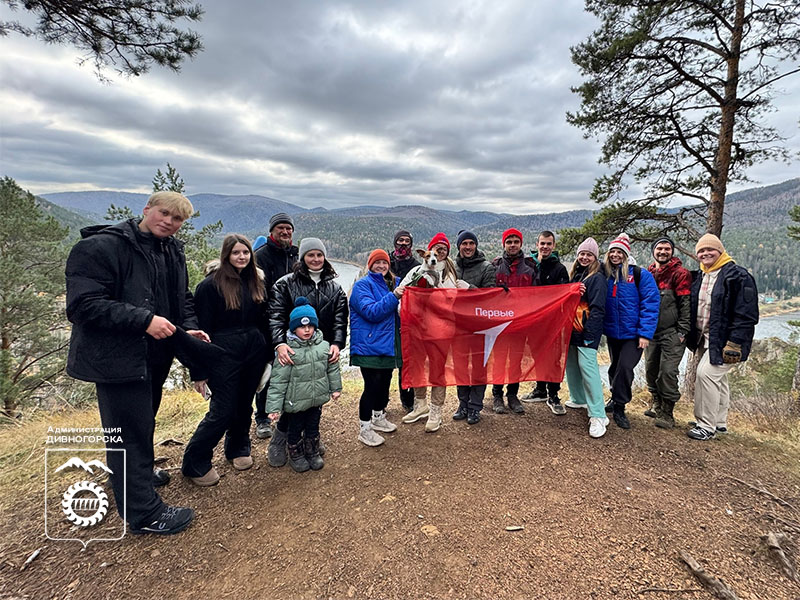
(261, 406)
(472, 396)
(303, 424)
(625, 355)
(406, 394)
(131, 408)
(231, 405)
(512, 389)
(551, 388)
(376, 391)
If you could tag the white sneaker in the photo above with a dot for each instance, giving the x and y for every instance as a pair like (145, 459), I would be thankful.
(434, 419)
(370, 437)
(571, 404)
(597, 426)
(381, 423)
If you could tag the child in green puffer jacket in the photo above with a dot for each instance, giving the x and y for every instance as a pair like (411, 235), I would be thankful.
(301, 388)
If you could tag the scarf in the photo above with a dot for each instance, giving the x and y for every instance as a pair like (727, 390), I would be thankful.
(723, 260)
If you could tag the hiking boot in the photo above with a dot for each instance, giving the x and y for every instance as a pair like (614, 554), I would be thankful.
(535, 395)
(651, 412)
(160, 477)
(420, 411)
(367, 435)
(597, 426)
(207, 480)
(173, 519)
(620, 418)
(322, 448)
(276, 451)
(381, 423)
(573, 404)
(554, 404)
(664, 418)
(297, 457)
(461, 413)
(497, 405)
(698, 433)
(263, 431)
(473, 417)
(311, 449)
(515, 405)
(242, 463)
(434, 419)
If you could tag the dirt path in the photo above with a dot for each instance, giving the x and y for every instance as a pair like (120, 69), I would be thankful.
(425, 516)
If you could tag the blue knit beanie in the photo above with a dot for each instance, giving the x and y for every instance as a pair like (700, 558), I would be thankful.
(303, 314)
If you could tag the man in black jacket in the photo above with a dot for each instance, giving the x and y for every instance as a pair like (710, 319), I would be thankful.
(127, 297)
(551, 272)
(276, 258)
(401, 261)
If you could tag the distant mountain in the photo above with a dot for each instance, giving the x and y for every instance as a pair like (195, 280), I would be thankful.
(66, 217)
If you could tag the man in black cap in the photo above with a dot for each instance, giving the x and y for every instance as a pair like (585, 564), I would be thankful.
(401, 261)
(276, 258)
(664, 354)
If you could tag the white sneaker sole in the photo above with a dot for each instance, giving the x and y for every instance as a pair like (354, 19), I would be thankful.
(576, 406)
(408, 420)
(433, 429)
(382, 429)
(371, 443)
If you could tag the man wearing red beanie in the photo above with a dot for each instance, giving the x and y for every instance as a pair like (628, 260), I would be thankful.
(513, 269)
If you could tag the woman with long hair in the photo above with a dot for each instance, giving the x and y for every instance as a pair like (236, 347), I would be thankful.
(375, 343)
(230, 304)
(313, 277)
(632, 304)
(583, 372)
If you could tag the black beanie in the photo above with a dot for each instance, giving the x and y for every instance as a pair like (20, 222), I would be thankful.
(662, 240)
(401, 233)
(466, 235)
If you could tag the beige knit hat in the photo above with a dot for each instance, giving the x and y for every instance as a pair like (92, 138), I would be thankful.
(709, 240)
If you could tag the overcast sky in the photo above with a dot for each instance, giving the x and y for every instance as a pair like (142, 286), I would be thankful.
(449, 104)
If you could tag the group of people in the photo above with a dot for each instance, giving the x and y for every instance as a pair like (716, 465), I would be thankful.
(271, 323)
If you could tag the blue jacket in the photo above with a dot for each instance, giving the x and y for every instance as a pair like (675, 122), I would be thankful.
(373, 309)
(632, 311)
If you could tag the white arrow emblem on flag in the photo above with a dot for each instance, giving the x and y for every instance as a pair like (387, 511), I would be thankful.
(491, 336)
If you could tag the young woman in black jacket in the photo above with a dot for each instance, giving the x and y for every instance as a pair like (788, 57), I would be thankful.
(230, 303)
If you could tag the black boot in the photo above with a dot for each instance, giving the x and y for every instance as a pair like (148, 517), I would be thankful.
(311, 447)
(620, 418)
(461, 413)
(515, 405)
(297, 457)
(498, 406)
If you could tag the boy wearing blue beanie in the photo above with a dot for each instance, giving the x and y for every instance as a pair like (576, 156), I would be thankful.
(300, 389)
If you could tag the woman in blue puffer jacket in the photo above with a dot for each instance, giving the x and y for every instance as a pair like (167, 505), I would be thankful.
(375, 343)
(631, 317)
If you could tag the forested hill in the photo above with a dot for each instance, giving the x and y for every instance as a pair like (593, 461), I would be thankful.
(755, 225)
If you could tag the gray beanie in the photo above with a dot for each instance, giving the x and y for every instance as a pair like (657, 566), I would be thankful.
(309, 244)
(280, 218)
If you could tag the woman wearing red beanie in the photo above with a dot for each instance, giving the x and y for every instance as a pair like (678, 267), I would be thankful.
(375, 343)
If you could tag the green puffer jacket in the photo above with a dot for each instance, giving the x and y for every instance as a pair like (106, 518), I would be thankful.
(309, 382)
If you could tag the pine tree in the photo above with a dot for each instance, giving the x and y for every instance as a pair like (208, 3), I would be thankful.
(33, 332)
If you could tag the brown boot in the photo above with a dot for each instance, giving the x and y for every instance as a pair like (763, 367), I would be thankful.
(665, 419)
(652, 412)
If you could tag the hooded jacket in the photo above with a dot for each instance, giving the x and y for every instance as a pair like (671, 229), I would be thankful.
(631, 310)
(327, 298)
(476, 270)
(373, 310)
(309, 382)
(551, 271)
(674, 285)
(734, 312)
(112, 286)
(519, 271)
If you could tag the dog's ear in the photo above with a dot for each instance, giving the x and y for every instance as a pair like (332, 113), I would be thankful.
(421, 252)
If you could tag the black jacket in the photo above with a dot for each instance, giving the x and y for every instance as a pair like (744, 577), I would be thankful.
(595, 297)
(734, 312)
(401, 267)
(327, 298)
(276, 261)
(111, 295)
(551, 271)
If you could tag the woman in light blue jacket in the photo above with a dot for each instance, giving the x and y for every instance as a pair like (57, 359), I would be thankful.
(631, 317)
(375, 343)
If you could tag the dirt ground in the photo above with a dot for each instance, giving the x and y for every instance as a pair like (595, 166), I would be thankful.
(426, 516)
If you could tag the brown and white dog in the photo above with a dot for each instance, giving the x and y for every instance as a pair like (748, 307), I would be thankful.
(433, 272)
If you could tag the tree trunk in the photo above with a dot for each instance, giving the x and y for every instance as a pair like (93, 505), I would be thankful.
(730, 104)
(688, 380)
(796, 379)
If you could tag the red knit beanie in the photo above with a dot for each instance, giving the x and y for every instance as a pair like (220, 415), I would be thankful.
(512, 231)
(376, 255)
(623, 242)
(439, 238)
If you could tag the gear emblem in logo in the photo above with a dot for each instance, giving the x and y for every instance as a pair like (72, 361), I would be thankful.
(85, 503)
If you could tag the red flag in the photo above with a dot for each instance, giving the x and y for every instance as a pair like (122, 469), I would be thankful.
(477, 336)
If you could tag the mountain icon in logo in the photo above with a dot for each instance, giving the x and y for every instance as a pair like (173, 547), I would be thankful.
(77, 463)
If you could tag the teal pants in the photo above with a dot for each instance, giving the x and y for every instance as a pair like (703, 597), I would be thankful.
(583, 378)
